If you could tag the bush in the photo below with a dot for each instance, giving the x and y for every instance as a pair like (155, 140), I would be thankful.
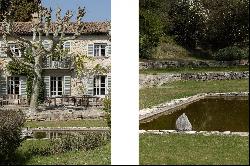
(11, 122)
(107, 109)
(79, 141)
(231, 53)
(39, 135)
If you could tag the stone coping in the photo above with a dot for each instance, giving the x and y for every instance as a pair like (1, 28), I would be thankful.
(69, 129)
(205, 133)
(173, 105)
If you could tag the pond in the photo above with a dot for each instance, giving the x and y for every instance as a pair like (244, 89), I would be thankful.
(209, 114)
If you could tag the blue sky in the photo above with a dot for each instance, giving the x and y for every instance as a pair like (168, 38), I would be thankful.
(96, 10)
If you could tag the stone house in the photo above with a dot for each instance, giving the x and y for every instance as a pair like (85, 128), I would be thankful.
(59, 74)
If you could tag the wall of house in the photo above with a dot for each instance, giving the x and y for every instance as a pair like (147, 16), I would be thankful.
(78, 47)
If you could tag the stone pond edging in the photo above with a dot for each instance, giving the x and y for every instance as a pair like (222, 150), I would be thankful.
(205, 133)
(190, 63)
(171, 106)
(146, 80)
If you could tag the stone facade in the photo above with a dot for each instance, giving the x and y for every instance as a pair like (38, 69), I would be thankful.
(84, 45)
(189, 63)
(159, 79)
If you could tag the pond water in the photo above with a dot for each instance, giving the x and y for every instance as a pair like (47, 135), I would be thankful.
(209, 114)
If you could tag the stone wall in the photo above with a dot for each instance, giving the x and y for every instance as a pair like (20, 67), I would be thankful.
(190, 63)
(206, 133)
(159, 79)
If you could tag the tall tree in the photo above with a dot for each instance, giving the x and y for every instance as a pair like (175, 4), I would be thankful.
(37, 51)
(22, 9)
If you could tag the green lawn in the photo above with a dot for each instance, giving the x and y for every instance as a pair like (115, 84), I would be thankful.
(188, 69)
(156, 95)
(27, 156)
(193, 149)
(69, 123)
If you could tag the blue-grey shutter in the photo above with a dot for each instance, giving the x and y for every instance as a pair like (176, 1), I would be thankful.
(47, 61)
(46, 80)
(90, 49)
(109, 82)
(2, 53)
(90, 85)
(23, 84)
(108, 50)
(67, 85)
(3, 85)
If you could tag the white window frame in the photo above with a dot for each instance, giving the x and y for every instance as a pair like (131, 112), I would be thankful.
(14, 48)
(11, 81)
(54, 90)
(98, 49)
(97, 85)
(46, 44)
(67, 46)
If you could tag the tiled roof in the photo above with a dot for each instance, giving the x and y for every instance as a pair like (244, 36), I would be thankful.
(25, 28)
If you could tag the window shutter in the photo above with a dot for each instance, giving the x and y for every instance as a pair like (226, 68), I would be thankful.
(109, 82)
(46, 80)
(90, 85)
(108, 50)
(90, 49)
(67, 85)
(3, 85)
(23, 82)
(2, 53)
(47, 61)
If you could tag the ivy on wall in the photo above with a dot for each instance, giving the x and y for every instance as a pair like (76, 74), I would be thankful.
(15, 68)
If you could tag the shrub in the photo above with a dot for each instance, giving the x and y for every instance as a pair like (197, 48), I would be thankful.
(39, 135)
(11, 122)
(79, 141)
(231, 53)
(107, 109)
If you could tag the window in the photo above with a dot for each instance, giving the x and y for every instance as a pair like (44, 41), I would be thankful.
(13, 85)
(2, 53)
(14, 48)
(56, 86)
(46, 44)
(99, 49)
(99, 85)
(66, 46)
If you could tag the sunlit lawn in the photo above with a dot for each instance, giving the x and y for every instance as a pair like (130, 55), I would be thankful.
(193, 149)
(156, 95)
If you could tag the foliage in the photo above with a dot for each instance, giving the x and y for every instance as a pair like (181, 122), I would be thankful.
(205, 25)
(11, 122)
(231, 53)
(73, 142)
(107, 108)
(19, 69)
(23, 9)
(39, 135)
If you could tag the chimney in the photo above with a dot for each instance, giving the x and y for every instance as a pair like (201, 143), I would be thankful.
(35, 18)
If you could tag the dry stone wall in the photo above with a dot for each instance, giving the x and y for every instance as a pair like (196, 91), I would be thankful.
(159, 79)
(189, 63)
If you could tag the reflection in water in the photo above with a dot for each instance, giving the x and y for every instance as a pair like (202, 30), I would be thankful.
(211, 114)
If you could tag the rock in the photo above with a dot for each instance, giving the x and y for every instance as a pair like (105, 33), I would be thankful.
(183, 124)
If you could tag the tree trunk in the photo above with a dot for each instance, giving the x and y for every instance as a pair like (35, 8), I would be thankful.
(36, 84)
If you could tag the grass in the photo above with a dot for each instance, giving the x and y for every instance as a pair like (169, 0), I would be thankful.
(193, 149)
(198, 69)
(69, 123)
(26, 156)
(156, 95)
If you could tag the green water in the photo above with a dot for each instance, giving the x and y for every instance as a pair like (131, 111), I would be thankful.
(211, 114)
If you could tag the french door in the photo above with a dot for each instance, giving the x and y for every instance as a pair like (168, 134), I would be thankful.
(56, 86)
(14, 85)
(99, 85)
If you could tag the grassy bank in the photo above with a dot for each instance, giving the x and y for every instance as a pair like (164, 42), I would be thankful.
(27, 156)
(198, 69)
(69, 123)
(191, 149)
(156, 95)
